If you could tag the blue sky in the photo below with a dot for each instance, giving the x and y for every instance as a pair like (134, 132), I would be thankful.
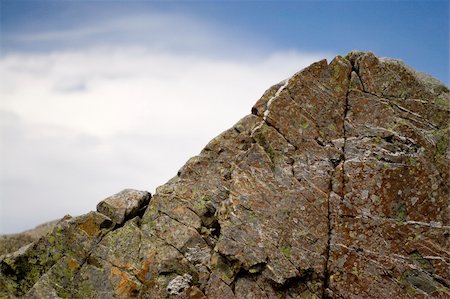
(97, 96)
(415, 31)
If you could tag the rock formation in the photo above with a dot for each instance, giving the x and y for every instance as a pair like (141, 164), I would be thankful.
(11, 243)
(335, 186)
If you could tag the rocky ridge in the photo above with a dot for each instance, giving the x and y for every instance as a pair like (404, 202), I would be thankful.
(335, 186)
(13, 242)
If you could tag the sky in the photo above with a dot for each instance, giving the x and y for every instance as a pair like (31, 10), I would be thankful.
(98, 96)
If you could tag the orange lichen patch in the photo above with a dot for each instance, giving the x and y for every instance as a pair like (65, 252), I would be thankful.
(72, 264)
(125, 287)
(145, 267)
(89, 226)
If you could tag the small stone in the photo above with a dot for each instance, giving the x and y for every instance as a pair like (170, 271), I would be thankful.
(177, 285)
(123, 205)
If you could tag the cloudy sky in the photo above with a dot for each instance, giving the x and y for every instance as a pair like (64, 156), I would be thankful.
(100, 96)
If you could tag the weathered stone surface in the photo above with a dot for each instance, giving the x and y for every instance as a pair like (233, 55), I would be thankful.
(390, 213)
(123, 205)
(11, 243)
(336, 186)
(72, 239)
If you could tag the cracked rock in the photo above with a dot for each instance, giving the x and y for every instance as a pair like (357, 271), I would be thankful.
(123, 205)
(335, 186)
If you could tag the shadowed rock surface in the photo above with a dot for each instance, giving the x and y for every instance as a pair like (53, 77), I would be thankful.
(336, 186)
(12, 242)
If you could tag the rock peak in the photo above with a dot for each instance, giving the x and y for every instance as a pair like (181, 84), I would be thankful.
(335, 186)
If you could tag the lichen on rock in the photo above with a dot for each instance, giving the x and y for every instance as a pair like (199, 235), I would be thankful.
(123, 205)
(335, 186)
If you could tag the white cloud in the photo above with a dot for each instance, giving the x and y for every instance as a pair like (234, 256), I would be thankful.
(78, 125)
(106, 91)
(169, 31)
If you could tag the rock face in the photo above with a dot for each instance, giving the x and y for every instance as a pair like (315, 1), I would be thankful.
(336, 186)
(11, 243)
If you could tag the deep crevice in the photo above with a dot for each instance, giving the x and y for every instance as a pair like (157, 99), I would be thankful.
(326, 282)
(336, 163)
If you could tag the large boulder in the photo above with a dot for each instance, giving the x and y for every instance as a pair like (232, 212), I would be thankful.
(336, 186)
(124, 205)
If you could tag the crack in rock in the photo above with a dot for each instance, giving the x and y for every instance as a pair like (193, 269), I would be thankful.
(335, 186)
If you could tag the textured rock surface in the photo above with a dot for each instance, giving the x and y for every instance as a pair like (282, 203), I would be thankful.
(11, 243)
(123, 205)
(336, 186)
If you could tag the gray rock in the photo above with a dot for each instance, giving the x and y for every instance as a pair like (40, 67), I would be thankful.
(123, 205)
(177, 285)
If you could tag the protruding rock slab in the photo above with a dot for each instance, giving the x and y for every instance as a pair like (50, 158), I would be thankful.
(123, 205)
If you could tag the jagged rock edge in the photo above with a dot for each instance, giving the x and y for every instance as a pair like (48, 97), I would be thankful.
(267, 122)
